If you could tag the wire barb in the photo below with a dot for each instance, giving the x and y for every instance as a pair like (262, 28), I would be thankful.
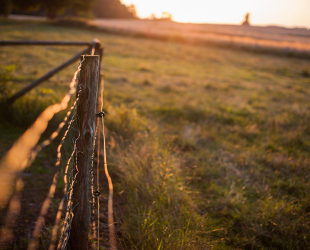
(97, 193)
(101, 114)
(34, 242)
(24, 147)
(29, 153)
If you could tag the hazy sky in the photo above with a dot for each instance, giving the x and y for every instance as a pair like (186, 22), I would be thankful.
(262, 12)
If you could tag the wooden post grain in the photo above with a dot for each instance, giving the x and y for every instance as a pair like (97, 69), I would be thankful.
(98, 50)
(86, 113)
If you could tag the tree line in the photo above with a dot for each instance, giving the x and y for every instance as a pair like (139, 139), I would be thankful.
(54, 8)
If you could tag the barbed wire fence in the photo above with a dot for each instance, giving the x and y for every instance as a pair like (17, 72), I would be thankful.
(83, 124)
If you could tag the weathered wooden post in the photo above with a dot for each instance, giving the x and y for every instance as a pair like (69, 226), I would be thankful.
(86, 118)
(97, 50)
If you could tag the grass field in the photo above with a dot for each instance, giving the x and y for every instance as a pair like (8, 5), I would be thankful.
(208, 148)
(270, 33)
(272, 39)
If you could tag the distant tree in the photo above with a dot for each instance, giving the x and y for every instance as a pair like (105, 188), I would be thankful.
(5, 7)
(113, 9)
(53, 7)
(132, 9)
(28, 5)
(166, 16)
(152, 17)
(82, 6)
(246, 19)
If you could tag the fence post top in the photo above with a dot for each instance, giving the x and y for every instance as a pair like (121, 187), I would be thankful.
(97, 43)
(89, 56)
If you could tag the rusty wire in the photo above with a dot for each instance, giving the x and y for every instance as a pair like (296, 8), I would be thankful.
(65, 232)
(98, 189)
(61, 204)
(13, 211)
(56, 226)
(27, 158)
(48, 141)
(110, 199)
(93, 192)
(39, 223)
(100, 106)
(21, 155)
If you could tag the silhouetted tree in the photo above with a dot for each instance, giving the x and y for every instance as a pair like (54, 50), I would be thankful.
(166, 16)
(83, 6)
(5, 7)
(152, 16)
(31, 7)
(26, 5)
(132, 9)
(53, 7)
(246, 19)
(113, 9)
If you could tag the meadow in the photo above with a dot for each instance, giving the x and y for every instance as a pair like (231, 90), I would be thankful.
(208, 147)
(271, 39)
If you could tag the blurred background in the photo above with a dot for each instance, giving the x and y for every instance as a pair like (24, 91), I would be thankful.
(207, 125)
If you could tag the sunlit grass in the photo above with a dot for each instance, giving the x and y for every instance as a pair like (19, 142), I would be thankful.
(208, 148)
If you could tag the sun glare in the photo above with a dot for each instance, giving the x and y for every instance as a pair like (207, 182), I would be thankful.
(281, 12)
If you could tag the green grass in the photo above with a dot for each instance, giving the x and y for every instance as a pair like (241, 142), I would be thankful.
(208, 148)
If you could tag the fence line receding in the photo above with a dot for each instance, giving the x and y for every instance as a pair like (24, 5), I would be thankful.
(83, 128)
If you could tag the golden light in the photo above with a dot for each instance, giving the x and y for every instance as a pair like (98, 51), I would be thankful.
(263, 12)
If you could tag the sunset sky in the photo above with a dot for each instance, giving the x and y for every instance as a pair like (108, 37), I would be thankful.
(289, 13)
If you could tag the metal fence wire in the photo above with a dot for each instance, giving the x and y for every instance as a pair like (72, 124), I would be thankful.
(24, 152)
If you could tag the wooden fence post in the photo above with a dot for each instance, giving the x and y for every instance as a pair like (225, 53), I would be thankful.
(98, 51)
(86, 117)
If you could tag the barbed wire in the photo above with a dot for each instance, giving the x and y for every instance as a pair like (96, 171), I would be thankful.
(60, 207)
(20, 164)
(39, 223)
(65, 232)
(23, 153)
(98, 189)
(98, 125)
(93, 192)
(110, 199)
(48, 141)
(13, 211)
(56, 226)
(17, 158)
